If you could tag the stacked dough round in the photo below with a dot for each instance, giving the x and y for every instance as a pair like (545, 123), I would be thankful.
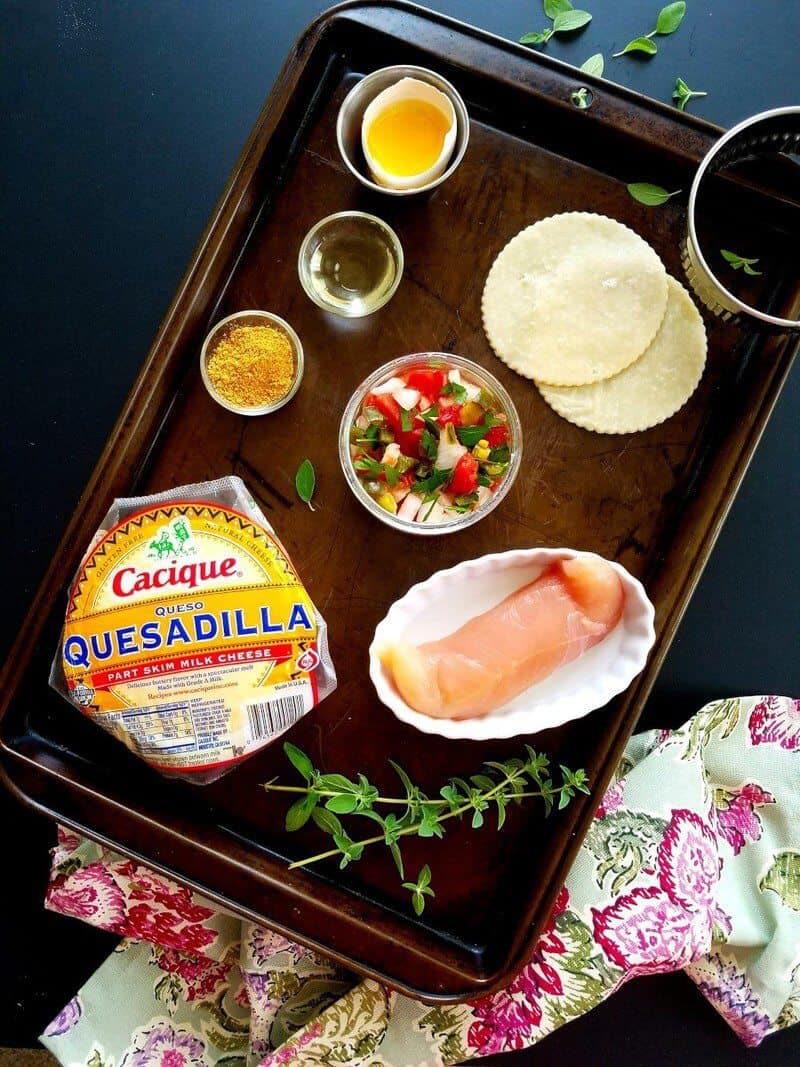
(584, 306)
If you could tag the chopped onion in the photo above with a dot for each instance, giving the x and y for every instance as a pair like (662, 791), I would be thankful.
(390, 386)
(406, 398)
(473, 391)
(437, 512)
(391, 454)
(450, 449)
(410, 506)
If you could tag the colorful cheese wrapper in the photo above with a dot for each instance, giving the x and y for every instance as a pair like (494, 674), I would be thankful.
(188, 634)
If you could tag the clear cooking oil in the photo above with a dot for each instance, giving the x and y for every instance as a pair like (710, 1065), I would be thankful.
(351, 263)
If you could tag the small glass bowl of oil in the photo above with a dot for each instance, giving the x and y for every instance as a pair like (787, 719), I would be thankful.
(350, 263)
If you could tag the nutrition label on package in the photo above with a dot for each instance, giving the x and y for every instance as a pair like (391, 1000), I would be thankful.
(167, 728)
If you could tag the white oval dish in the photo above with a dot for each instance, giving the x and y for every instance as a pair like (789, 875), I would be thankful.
(441, 604)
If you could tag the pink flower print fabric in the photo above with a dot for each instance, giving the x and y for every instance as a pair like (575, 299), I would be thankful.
(737, 818)
(88, 882)
(692, 862)
(776, 721)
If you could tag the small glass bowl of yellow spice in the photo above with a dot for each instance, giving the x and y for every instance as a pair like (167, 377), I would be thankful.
(252, 362)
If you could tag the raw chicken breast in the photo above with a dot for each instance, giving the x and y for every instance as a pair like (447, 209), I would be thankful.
(492, 658)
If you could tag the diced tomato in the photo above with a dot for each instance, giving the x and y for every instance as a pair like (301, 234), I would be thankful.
(388, 407)
(427, 380)
(497, 435)
(449, 411)
(405, 481)
(465, 476)
(410, 441)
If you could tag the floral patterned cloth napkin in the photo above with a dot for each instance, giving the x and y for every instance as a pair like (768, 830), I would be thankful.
(693, 863)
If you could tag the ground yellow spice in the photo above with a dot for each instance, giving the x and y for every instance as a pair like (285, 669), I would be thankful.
(252, 365)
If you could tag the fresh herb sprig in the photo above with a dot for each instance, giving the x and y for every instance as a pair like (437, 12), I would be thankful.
(565, 18)
(740, 262)
(669, 19)
(324, 797)
(682, 94)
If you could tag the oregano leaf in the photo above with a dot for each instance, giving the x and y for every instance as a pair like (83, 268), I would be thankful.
(299, 760)
(342, 805)
(580, 98)
(594, 65)
(305, 481)
(327, 821)
(394, 848)
(300, 812)
(555, 7)
(568, 21)
(650, 195)
(670, 17)
(639, 44)
(683, 94)
(740, 262)
(536, 38)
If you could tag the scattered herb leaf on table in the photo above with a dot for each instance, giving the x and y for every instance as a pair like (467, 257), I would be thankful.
(682, 94)
(669, 19)
(566, 19)
(650, 195)
(304, 481)
(594, 65)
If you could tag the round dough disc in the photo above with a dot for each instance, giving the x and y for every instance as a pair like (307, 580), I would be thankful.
(651, 389)
(574, 299)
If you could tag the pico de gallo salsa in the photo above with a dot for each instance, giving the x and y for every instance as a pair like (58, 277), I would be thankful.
(429, 445)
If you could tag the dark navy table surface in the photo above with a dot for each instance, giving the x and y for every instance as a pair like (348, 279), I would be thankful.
(120, 123)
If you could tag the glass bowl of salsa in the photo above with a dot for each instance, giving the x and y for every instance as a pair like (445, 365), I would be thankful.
(430, 443)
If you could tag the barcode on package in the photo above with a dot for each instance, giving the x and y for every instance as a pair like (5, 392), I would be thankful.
(268, 717)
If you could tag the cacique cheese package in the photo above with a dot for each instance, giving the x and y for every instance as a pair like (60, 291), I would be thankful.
(188, 634)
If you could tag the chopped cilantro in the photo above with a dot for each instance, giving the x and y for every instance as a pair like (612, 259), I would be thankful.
(368, 466)
(392, 475)
(371, 436)
(456, 391)
(405, 420)
(470, 435)
(430, 415)
(429, 444)
(434, 481)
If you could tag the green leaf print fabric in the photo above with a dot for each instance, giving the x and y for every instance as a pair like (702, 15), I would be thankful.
(692, 862)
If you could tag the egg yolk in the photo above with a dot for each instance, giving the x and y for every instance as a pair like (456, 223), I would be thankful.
(407, 137)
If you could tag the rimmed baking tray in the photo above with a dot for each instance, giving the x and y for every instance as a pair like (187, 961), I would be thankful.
(655, 501)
